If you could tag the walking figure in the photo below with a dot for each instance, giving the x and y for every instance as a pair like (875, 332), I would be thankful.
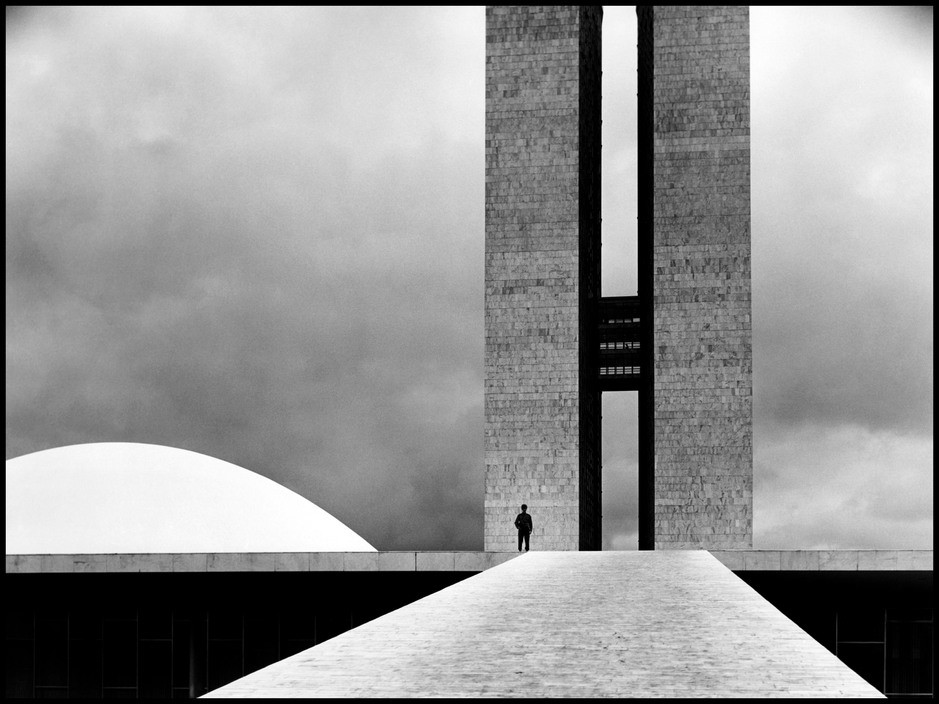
(524, 525)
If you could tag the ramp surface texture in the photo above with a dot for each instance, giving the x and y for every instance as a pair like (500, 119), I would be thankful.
(570, 624)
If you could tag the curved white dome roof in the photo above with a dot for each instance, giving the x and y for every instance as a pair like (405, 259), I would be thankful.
(118, 497)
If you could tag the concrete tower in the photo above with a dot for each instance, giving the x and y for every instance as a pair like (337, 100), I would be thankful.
(542, 274)
(694, 264)
(553, 345)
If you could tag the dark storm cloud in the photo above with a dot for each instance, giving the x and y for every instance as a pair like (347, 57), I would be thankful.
(216, 242)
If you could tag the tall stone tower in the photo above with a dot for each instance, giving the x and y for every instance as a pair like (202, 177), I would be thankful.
(542, 274)
(694, 264)
(553, 345)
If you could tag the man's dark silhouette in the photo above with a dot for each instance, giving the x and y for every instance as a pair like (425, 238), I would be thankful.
(525, 526)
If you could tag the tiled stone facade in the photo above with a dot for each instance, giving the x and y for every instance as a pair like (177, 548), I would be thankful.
(543, 286)
(542, 434)
(700, 259)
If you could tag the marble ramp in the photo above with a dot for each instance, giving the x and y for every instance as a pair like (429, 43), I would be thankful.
(572, 624)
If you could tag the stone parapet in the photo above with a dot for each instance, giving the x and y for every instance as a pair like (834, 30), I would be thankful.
(403, 561)
(826, 560)
(443, 561)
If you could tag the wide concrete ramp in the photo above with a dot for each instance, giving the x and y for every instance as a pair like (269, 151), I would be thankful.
(571, 624)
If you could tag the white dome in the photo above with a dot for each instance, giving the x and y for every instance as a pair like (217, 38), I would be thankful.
(118, 497)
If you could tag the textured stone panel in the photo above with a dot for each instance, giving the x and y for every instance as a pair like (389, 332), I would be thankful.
(191, 562)
(471, 561)
(398, 561)
(326, 562)
(292, 562)
(798, 560)
(74, 563)
(877, 560)
(24, 563)
(140, 562)
(242, 562)
(763, 560)
(914, 560)
(436, 561)
(542, 274)
(838, 560)
(700, 270)
(360, 561)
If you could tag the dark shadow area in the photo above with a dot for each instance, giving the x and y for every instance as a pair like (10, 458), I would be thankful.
(880, 624)
(180, 635)
(166, 635)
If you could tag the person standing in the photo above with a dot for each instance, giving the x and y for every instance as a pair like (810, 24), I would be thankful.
(525, 526)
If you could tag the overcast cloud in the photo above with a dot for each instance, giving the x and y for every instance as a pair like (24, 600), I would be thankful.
(258, 234)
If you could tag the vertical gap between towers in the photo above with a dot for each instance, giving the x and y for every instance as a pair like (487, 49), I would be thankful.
(619, 169)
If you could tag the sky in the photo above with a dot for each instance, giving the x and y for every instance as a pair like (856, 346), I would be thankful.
(257, 234)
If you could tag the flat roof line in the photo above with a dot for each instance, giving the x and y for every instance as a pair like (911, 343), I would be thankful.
(443, 561)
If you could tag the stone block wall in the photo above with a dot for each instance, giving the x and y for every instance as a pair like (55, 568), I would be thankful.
(701, 342)
(542, 268)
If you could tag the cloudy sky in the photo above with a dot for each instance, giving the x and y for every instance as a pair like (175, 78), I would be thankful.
(258, 234)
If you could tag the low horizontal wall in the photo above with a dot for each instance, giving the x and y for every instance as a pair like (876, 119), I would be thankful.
(826, 560)
(419, 561)
(406, 561)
